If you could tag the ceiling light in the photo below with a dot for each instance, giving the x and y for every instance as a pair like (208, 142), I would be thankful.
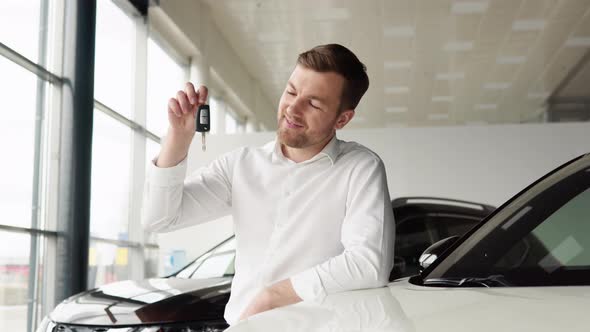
(457, 46)
(443, 98)
(396, 89)
(578, 42)
(399, 31)
(397, 64)
(486, 106)
(528, 25)
(450, 76)
(440, 116)
(396, 109)
(510, 60)
(469, 7)
(497, 85)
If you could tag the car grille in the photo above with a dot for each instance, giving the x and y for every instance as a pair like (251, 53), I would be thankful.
(194, 327)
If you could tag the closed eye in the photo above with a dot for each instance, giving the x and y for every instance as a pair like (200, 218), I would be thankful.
(292, 93)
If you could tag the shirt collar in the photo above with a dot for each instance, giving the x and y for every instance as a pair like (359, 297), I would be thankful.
(331, 150)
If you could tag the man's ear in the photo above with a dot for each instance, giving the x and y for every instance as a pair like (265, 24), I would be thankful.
(343, 118)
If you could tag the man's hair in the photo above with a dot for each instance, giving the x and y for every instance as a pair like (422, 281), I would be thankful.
(339, 59)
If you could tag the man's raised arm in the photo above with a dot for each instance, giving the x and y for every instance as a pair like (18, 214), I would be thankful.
(170, 202)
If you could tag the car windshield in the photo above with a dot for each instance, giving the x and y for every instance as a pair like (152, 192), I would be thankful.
(219, 262)
(541, 238)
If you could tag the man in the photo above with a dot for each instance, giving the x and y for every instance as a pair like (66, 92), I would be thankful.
(312, 214)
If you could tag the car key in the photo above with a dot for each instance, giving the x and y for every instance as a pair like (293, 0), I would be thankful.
(203, 123)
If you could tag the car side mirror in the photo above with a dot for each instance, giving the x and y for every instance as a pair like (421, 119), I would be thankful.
(434, 251)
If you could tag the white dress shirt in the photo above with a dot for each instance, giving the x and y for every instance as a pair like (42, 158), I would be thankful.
(325, 223)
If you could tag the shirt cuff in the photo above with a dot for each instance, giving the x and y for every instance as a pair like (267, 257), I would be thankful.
(308, 286)
(167, 176)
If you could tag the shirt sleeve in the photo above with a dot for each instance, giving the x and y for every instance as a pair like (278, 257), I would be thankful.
(367, 234)
(171, 202)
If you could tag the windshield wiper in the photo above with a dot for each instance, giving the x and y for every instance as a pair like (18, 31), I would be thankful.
(496, 280)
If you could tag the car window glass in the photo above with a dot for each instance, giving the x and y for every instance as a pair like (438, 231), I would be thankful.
(412, 237)
(451, 226)
(189, 270)
(227, 245)
(562, 237)
(215, 266)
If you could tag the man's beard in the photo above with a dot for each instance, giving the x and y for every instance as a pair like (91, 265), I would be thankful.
(292, 140)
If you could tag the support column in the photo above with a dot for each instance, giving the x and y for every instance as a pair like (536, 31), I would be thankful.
(76, 149)
(137, 256)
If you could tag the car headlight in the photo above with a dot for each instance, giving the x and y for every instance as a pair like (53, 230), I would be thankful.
(46, 325)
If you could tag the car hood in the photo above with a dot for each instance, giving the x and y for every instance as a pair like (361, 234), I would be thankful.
(149, 301)
(404, 307)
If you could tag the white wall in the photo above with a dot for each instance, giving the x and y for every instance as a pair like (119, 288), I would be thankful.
(486, 164)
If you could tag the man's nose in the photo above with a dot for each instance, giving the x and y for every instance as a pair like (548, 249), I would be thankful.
(296, 107)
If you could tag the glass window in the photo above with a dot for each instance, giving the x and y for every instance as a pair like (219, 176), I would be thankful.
(164, 78)
(111, 168)
(152, 149)
(107, 263)
(14, 279)
(17, 143)
(19, 27)
(231, 125)
(114, 58)
(150, 263)
(215, 107)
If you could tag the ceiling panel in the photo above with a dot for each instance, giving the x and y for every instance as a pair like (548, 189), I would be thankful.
(479, 61)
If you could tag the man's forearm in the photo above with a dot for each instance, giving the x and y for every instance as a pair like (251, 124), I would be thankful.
(277, 295)
(174, 150)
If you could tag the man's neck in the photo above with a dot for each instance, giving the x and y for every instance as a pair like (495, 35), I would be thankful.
(299, 155)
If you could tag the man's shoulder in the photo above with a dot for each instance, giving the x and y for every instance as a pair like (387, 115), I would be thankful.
(354, 151)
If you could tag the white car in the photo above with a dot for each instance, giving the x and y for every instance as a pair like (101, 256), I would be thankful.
(524, 268)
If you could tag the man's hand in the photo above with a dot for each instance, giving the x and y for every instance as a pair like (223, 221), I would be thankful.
(275, 296)
(182, 113)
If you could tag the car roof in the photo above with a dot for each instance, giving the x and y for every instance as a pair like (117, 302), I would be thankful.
(405, 207)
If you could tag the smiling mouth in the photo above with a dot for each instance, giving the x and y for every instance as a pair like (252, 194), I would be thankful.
(292, 124)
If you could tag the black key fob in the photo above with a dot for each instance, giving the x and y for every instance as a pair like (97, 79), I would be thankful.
(203, 119)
